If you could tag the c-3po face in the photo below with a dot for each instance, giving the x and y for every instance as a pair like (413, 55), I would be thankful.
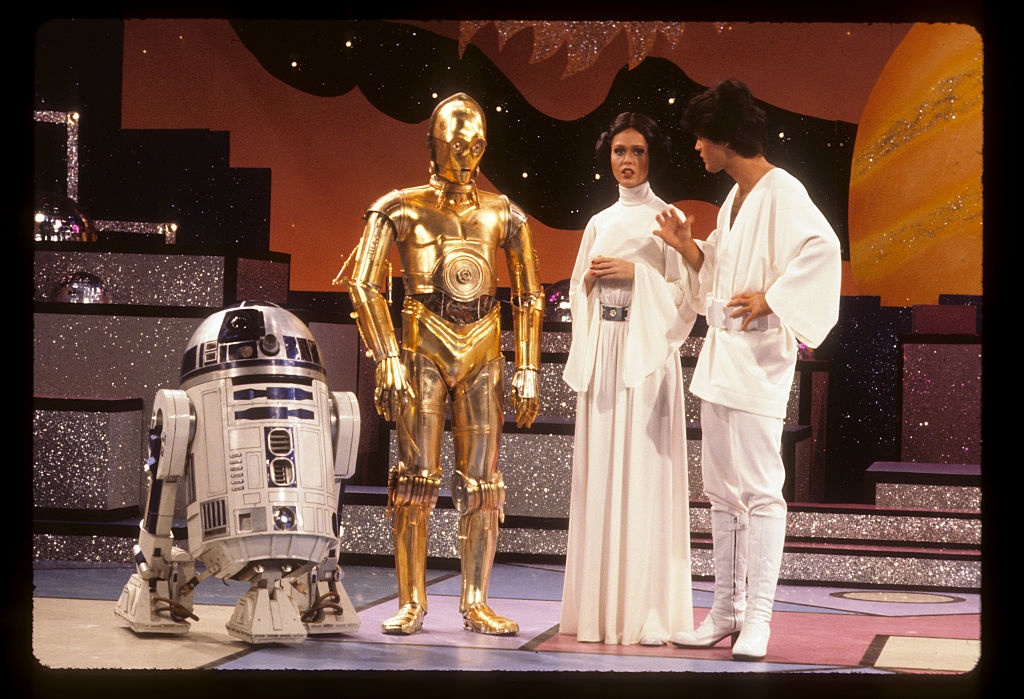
(458, 140)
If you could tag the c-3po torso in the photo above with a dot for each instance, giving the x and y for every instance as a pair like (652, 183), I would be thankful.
(448, 236)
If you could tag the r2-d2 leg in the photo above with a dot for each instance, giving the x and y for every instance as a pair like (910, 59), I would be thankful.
(324, 605)
(158, 598)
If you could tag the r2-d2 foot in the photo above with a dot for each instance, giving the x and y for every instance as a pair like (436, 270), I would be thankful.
(159, 605)
(323, 604)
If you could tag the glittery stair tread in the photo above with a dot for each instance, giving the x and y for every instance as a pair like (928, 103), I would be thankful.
(924, 473)
(882, 548)
(154, 274)
(559, 424)
(146, 247)
(87, 403)
(858, 549)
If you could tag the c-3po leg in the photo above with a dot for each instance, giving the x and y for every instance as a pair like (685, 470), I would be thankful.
(413, 486)
(479, 494)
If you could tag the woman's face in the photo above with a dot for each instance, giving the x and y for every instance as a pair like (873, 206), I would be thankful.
(630, 158)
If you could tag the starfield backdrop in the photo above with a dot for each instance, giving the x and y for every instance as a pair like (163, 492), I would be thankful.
(882, 122)
(277, 135)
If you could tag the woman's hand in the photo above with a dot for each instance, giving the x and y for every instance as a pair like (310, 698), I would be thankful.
(610, 268)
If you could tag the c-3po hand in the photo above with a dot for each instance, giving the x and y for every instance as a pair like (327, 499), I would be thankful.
(392, 389)
(523, 398)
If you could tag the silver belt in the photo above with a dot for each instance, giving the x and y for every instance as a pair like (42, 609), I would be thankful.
(614, 312)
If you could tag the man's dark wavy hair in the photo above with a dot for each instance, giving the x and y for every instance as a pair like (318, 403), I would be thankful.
(727, 114)
(658, 143)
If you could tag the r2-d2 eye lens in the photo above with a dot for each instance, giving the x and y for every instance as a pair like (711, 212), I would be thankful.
(284, 518)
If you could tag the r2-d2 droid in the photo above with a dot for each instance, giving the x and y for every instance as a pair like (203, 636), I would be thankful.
(261, 446)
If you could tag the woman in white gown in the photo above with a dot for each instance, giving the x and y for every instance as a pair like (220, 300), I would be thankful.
(627, 576)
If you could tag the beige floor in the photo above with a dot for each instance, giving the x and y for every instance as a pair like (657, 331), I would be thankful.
(85, 634)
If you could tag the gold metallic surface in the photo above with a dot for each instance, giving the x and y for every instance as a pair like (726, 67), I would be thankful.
(457, 138)
(478, 537)
(409, 524)
(448, 234)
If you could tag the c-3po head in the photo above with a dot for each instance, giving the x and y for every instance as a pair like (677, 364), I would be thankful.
(457, 138)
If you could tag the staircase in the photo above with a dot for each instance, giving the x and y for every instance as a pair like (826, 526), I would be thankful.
(98, 366)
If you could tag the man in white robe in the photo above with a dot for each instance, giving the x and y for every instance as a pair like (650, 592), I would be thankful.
(767, 278)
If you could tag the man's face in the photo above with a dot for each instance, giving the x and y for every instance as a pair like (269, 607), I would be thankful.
(459, 143)
(715, 155)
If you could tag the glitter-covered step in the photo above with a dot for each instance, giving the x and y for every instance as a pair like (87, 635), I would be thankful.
(868, 545)
(95, 350)
(860, 545)
(935, 486)
(843, 545)
(86, 456)
(149, 274)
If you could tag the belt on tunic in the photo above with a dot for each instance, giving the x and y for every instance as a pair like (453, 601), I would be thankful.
(619, 313)
(718, 317)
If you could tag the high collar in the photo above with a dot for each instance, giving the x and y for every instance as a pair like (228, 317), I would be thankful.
(634, 196)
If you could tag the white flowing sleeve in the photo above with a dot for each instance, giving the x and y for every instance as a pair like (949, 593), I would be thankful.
(806, 294)
(660, 319)
(687, 279)
(705, 278)
(584, 309)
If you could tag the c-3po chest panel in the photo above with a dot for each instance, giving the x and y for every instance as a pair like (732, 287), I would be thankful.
(449, 250)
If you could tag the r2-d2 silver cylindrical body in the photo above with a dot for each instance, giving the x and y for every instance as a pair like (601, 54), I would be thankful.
(260, 446)
(261, 493)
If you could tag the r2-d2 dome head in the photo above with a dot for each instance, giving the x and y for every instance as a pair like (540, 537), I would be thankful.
(262, 501)
(250, 337)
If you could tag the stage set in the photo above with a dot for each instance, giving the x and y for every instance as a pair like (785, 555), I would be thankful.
(186, 166)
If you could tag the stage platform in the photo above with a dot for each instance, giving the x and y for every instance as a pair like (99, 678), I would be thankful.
(816, 630)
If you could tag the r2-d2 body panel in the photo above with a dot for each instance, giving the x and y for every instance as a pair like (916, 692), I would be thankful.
(261, 447)
(261, 492)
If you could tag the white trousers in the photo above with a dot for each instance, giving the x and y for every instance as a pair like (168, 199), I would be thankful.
(741, 462)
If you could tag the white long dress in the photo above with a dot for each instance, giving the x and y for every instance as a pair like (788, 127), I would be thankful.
(628, 559)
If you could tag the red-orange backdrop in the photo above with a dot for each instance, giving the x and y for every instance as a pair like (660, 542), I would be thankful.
(330, 157)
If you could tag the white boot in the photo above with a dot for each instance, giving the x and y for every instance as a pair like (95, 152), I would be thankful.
(767, 537)
(729, 542)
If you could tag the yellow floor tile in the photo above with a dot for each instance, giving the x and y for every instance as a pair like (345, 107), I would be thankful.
(939, 654)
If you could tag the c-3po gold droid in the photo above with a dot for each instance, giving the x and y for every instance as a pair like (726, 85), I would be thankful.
(448, 234)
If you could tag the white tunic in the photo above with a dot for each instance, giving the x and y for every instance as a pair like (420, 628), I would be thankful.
(628, 562)
(781, 245)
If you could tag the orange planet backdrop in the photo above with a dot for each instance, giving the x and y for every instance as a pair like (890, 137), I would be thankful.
(330, 157)
(915, 187)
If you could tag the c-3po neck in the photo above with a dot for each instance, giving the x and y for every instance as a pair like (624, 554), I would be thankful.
(454, 194)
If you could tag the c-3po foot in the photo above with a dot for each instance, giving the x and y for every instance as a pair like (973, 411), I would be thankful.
(407, 621)
(480, 618)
